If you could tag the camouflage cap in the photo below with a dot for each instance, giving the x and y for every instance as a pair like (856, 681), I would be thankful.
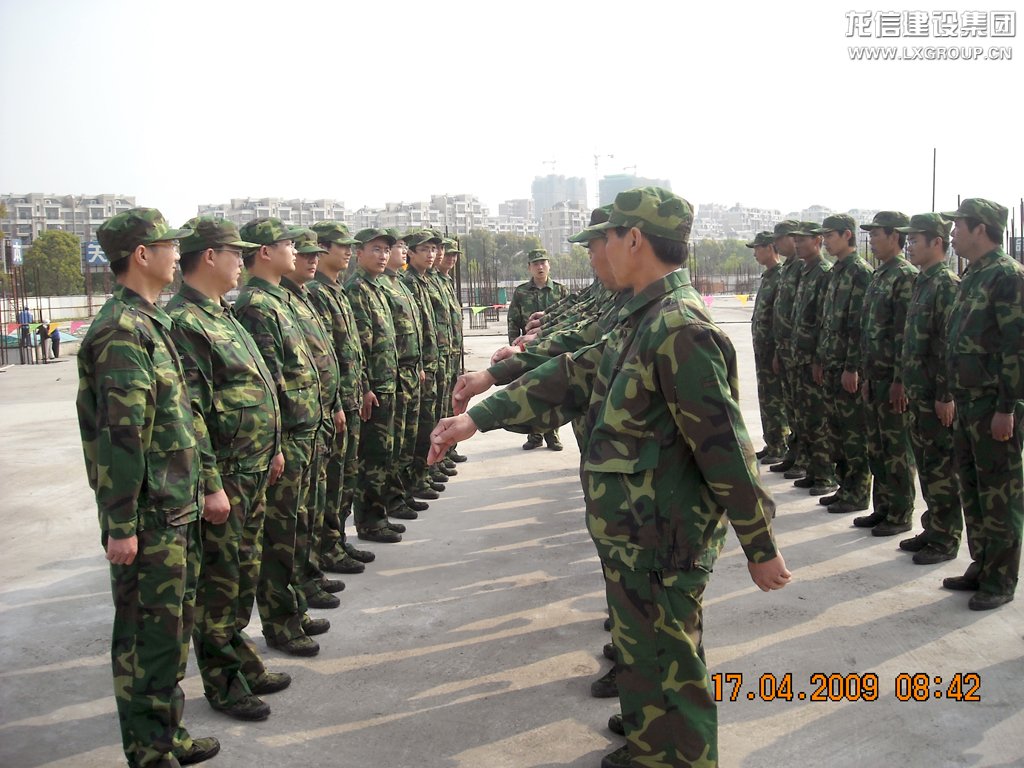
(267, 231)
(393, 231)
(805, 229)
(597, 216)
(363, 236)
(762, 238)
(985, 211)
(537, 254)
(448, 243)
(333, 232)
(887, 219)
(453, 248)
(652, 210)
(930, 223)
(123, 233)
(837, 222)
(421, 236)
(306, 242)
(786, 227)
(211, 232)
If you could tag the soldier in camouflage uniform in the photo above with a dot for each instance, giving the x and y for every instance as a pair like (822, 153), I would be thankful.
(884, 319)
(376, 327)
(445, 269)
(266, 310)
(666, 465)
(238, 428)
(315, 586)
(422, 255)
(535, 295)
(811, 395)
(838, 364)
(774, 426)
(410, 379)
(986, 376)
(438, 289)
(328, 296)
(782, 333)
(141, 457)
(930, 405)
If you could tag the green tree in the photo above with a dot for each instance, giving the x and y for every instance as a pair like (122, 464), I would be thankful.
(53, 265)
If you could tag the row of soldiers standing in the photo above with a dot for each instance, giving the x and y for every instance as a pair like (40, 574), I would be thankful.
(864, 374)
(272, 420)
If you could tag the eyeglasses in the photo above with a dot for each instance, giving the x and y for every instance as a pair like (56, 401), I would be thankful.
(175, 244)
(234, 251)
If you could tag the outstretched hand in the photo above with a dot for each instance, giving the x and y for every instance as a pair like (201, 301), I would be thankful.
(447, 433)
(771, 574)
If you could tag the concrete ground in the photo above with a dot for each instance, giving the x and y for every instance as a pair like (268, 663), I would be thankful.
(473, 643)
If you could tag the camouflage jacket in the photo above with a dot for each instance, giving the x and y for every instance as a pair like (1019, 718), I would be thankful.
(764, 304)
(455, 310)
(666, 461)
(527, 299)
(420, 290)
(923, 358)
(329, 298)
(839, 344)
(986, 332)
(441, 313)
(237, 419)
(807, 308)
(560, 341)
(785, 298)
(587, 303)
(135, 416)
(267, 312)
(406, 314)
(884, 318)
(321, 346)
(376, 327)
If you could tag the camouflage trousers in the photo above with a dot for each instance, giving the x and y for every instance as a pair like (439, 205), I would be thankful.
(943, 521)
(849, 446)
(454, 369)
(888, 455)
(280, 600)
(309, 529)
(812, 421)
(407, 422)
(228, 660)
(771, 402)
(442, 386)
(154, 598)
(342, 474)
(789, 372)
(427, 422)
(992, 492)
(664, 689)
(376, 446)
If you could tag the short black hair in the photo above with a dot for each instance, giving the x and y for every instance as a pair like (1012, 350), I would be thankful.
(120, 266)
(903, 236)
(674, 252)
(189, 261)
(995, 234)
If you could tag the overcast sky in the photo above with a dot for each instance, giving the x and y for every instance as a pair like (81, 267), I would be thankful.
(183, 102)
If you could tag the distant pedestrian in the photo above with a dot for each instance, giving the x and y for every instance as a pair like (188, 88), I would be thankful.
(55, 342)
(43, 332)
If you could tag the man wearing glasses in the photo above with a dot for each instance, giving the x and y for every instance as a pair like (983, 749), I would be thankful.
(238, 426)
(140, 450)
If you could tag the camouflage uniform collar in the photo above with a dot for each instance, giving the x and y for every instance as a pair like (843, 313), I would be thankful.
(670, 282)
(772, 268)
(989, 258)
(137, 302)
(892, 263)
(276, 291)
(289, 284)
(321, 277)
(366, 275)
(932, 271)
(201, 300)
(813, 264)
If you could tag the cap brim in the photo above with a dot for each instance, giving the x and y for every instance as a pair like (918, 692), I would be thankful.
(290, 233)
(243, 244)
(952, 215)
(173, 234)
(869, 227)
(909, 230)
(586, 234)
